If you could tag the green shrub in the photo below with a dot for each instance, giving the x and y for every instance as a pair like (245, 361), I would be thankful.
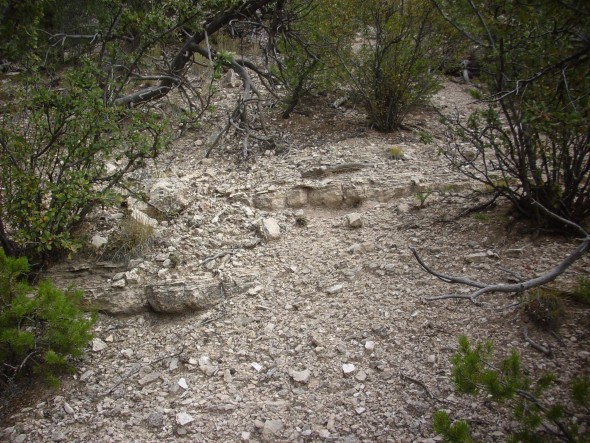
(582, 291)
(64, 152)
(475, 371)
(393, 66)
(41, 329)
(534, 133)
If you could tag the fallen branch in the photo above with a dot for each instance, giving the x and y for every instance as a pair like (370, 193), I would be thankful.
(486, 288)
(417, 382)
(534, 344)
(218, 255)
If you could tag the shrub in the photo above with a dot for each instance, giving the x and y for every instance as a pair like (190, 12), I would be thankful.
(41, 329)
(392, 67)
(582, 291)
(544, 306)
(475, 371)
(64, 152)
(132, 239)
(385, 54)
(535, 129)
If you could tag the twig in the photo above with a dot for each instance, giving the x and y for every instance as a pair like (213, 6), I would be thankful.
(138, 368)
(418, 382)
(534, 344)
(543, 279)
(218, 255)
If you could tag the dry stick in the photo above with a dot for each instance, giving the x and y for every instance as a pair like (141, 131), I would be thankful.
(218, 255)
(534, 344)
(506, 288)
(516, 287)
(418, 382)
(138, 368)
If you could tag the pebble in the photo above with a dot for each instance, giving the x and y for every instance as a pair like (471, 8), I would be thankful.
(183, 419)
(272, 427)
(182, 383)
(69, 410)
(354, 220)
(335, 289)
(300, 376)
(98, 345)
(270, 229)
(156, 419)
(348, 368)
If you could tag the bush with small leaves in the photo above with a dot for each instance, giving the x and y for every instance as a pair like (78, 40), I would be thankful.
(475, 371)
(533, 139)
(41, 329)
(64, 152)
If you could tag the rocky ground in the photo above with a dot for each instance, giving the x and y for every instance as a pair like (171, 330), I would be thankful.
(278, 300)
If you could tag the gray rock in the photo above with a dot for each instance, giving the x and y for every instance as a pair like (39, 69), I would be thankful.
(296, 198)
(269, 201)
(168, 196)
(133, 277)
(330, 196)
(300, 376)
(149, 378)
(183, 419)
(348, 368)
(270, 229)
(156, 419)
(354, 220)
(181, 297)
(206, 366)
(230, 80)
(477, 257)
(98, 242)
(119, 283)
(98, 345)
(361, 376)
(130, 300)
(272, 427)
(334, 289)
(69, 410)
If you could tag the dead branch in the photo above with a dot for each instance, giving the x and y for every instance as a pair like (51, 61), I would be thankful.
(417, 382)
(191, 45)
(534, 344)
(486, 288)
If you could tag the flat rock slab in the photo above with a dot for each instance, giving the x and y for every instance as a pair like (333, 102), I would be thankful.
(180, 296)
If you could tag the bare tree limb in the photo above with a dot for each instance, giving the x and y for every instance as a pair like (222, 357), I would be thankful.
(484, 288)
(191, 45)
(534, 344)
